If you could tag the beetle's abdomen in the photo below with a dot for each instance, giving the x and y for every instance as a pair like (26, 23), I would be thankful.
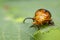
(41, 17)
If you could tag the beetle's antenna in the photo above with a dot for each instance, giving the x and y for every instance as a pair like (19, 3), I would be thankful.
(26, 19)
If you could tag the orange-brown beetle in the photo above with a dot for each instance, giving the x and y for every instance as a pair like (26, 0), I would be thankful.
(42, 17)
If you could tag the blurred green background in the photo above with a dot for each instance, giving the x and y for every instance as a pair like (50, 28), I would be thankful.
(13, 12)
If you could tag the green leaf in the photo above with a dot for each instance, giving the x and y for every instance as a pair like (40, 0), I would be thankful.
(16, 31)
(52, 34)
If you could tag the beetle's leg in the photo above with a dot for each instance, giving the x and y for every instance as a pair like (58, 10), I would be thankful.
(34, 25)
(26, 19)
(51, 22)
(38, 26)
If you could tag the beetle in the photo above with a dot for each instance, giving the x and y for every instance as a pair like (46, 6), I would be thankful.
(42, 17)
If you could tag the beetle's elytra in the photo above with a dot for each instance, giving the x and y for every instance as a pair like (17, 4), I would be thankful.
(42, 17)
